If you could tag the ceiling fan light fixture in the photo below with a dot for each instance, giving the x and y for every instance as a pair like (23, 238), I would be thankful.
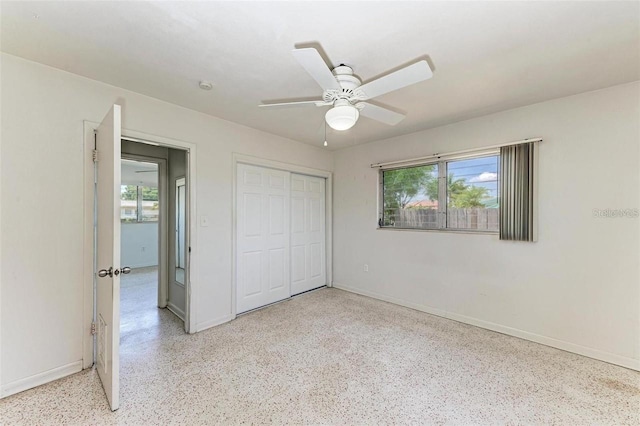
(342, 117)
(345, 91)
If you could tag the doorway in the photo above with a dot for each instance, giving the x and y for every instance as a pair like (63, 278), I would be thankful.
(154, 198)
(105, 144)
(142, 215)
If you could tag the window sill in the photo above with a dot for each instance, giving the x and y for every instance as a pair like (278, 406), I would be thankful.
(444, 231)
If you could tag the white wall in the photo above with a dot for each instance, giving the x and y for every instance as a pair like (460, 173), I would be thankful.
(139, 244)
(42, 255)
(577, 288)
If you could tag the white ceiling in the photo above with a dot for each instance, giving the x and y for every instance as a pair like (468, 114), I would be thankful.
(139, 173)
(487, 56)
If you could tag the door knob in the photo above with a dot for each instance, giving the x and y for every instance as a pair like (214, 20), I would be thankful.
(104, 272)
(110, 272)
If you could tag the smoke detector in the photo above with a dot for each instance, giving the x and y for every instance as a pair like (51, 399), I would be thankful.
(205, 85)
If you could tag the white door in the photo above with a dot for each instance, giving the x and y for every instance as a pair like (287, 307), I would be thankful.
(262, 257)
(108, 255)
(308, 269)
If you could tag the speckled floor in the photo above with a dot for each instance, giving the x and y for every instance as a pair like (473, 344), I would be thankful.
(140, 318)
(332, 357)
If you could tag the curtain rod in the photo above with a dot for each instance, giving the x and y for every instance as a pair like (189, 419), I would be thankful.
(449, 154)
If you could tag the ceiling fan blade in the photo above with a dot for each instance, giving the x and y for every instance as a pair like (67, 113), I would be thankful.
(404, 77)
(319, 103)
(383, 115)
(311, 61)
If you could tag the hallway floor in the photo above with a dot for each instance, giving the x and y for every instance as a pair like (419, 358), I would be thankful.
(333, 357)
(140, 319)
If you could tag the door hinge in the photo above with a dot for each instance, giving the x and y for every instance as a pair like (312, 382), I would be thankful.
(93, 328)
(95, 155)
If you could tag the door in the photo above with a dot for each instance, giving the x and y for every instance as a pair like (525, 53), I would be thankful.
(178, 264)
(308, 269)
(108, 255)
(262, 257)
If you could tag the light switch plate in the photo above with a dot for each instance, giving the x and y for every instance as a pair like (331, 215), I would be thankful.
(204, 221)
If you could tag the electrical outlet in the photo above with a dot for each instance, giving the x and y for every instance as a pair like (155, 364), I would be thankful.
(144, 248)
(366, 267)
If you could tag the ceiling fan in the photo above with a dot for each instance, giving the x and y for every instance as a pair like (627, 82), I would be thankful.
(346, 93)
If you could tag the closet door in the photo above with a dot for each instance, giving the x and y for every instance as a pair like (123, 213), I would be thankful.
(308, 269)
(263, 237)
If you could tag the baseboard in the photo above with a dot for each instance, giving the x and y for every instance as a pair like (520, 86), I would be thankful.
(416, 306)
(622, 361)
(217, 321)
(40, 379)
(179, 312)
(611, 358)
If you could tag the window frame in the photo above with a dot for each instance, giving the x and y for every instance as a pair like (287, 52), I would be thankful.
(442, 163)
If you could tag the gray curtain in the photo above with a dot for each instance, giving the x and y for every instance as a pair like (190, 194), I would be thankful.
(516, 192)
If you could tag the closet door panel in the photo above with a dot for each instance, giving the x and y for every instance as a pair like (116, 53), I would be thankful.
(263, 237)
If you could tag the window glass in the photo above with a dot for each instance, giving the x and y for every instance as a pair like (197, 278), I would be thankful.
(128, 203)
(410, 197)
(132, 198)
(467, 190)
(150, 205)
(472, 194)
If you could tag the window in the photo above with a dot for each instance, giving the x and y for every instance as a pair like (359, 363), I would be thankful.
(447, 195)
(138, 204)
